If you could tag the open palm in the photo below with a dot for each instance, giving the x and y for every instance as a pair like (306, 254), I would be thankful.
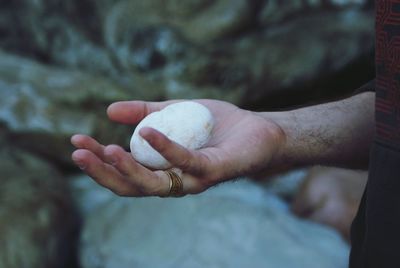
(241, 143)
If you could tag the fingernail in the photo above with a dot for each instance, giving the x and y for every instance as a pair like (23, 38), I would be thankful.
(81, 166)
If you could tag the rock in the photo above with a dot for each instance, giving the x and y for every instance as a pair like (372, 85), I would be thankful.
(275, 11)
(187, 123)
(233, 225)
(38, 224)
(50, 29)
(199, 21)
(261, 51)
(44, 105)
(301, 52)
(222, 18)
(344, 3)
(156, 35)
(282, 65)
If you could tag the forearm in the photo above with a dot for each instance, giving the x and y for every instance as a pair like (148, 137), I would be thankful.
(337, 133)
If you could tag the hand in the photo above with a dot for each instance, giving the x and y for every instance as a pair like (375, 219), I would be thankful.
(242, 142)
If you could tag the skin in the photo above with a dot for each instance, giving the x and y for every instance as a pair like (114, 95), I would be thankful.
(242, 143)
(331, 196)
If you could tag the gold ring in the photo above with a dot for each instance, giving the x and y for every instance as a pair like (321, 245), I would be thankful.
(175, 184)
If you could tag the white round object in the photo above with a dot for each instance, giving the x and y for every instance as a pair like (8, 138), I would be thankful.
(187, 123)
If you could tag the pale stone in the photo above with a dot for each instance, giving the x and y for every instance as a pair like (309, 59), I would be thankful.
(234, 225)
(187, 123)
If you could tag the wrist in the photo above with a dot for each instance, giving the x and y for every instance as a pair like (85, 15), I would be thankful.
(285, 157)
(326, 134)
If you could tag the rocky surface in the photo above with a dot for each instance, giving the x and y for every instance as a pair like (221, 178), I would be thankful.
(37, 223)
(295, 53)
(253, 54)
(234, 225)
(43, 106)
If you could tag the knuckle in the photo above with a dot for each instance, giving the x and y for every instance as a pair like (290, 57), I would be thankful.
(143, 190)
(185, 163)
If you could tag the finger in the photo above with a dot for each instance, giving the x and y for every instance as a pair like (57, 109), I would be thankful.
(180, 157)
(131, 112)
(88, 143)
(190, 184)
(146, 181)
(103, 173)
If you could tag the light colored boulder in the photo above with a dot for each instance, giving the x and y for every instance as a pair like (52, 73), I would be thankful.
(233, 225)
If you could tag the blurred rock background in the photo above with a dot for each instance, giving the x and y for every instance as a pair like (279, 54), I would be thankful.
(63, 62)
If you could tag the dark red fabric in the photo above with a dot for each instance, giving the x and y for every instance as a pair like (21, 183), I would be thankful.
(387, 58)
(375, 234)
